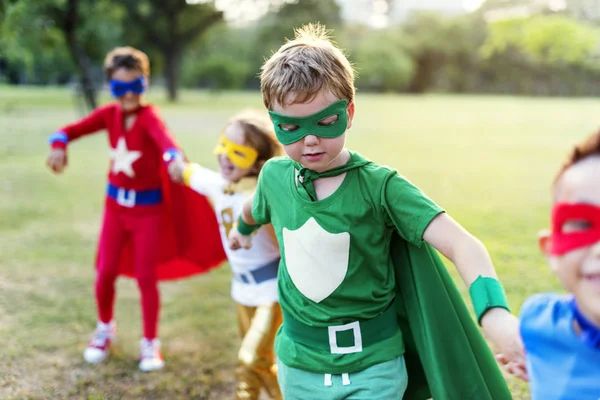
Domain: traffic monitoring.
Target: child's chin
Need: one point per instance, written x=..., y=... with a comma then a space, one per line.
x=227, y=173
x=128, y=106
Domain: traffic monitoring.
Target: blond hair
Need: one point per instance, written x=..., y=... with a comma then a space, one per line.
x=305, y=66
x=126, y=57
x=258, y=134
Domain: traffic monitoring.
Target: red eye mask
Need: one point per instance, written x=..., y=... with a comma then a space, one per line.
x=586, y=214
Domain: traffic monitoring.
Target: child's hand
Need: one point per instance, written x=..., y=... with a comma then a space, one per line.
x=239, y=241
x=514, y=368
x=176, y=168
x=57, y=160
x=503, y=329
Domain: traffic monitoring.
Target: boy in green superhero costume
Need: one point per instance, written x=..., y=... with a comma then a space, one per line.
x=369, y=310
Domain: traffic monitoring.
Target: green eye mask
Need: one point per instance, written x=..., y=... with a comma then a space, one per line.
x=292, y=129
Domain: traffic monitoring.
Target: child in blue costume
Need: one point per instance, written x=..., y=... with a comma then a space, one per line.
x=364, y=316
x=561, y=332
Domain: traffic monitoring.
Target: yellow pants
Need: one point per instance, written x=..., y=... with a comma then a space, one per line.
x=257, y=368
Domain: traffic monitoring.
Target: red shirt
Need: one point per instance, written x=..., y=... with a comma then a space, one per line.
x=135, y=154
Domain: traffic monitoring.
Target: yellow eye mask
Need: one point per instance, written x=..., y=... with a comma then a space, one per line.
x=240, y=155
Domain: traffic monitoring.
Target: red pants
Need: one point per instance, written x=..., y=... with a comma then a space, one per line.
x=118, y=227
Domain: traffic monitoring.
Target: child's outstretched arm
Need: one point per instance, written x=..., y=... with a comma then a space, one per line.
x=241, y=234
x=164, y=141
x=202, y=180
x=467, y=253
x=474, y=265
x=255, y=213
x=178, y=170
x=57, y=157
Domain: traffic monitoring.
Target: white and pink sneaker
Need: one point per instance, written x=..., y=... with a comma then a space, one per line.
x=150, y=357
x=99, y=347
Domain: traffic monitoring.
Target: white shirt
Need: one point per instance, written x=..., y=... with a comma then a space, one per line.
x=264, y=250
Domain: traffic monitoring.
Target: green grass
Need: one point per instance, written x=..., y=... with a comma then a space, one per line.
x=488, y=160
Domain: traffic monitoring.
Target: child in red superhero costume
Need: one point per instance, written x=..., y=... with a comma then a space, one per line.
x=134, y=218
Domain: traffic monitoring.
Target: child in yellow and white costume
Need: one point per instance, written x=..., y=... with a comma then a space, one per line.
x=247, y=142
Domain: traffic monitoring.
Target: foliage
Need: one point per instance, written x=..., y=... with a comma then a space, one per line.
x=224, y=59
x=544, y=40
x=31, y=36
x=168, y=29
x=279, y=24
x=382, y=62
x=547, y=53
x=541, y=55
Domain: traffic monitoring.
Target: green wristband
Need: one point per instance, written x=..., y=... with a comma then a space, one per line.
x=246, y=229
x=487, y=293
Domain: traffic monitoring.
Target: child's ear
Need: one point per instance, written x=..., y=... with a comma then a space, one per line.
x=544, y=240
x=350, y=111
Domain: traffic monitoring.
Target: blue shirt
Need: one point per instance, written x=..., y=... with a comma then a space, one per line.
x=560, y=365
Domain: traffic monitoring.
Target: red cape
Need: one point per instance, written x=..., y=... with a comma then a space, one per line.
x=190, y=242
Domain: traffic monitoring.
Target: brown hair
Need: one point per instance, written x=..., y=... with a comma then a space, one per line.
x=128, y=58
x=258, y=134
x=590, y=146
x=305, y=66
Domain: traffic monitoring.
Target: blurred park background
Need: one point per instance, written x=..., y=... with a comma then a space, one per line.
x=529, y=47
x=477, y=103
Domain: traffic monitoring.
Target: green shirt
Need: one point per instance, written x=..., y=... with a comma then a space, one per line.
x=335, y=265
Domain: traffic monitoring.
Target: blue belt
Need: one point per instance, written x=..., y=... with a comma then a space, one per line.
x=259, y=275
x=131, y=198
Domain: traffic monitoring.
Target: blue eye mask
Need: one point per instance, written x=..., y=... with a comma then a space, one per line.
x=120, y=88
x=291, y=129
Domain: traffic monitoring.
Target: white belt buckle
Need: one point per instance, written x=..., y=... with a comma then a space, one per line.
x=126, y=198
x=335, y=349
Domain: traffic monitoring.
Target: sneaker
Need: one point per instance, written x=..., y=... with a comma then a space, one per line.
x=150, y=357
x=99, y=347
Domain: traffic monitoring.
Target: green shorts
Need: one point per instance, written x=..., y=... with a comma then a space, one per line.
x=384, y=381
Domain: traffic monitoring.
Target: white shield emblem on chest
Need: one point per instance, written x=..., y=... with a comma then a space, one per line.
x=316, y=260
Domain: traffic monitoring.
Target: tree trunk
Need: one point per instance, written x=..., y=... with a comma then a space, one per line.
x=85, y=78
x=81, y=59
x=172, y=71
x=422, y=78
x=427, y=66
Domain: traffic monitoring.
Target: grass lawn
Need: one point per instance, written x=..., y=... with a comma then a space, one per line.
x=488, y=160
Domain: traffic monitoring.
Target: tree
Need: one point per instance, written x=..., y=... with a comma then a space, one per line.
x=545, y=40
x=382, y=63
x=281, y=22
x=543, y=54
x=169, y=27
x=230, y=56
x=69, y=24
x=424, y=30
x=84, y=27
x=223, y=59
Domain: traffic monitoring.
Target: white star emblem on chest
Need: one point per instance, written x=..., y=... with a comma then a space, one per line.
x=123, y=159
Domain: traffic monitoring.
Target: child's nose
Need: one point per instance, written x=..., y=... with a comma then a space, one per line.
x=311, y=140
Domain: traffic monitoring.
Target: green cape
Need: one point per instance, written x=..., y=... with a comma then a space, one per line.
x=446, y=355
